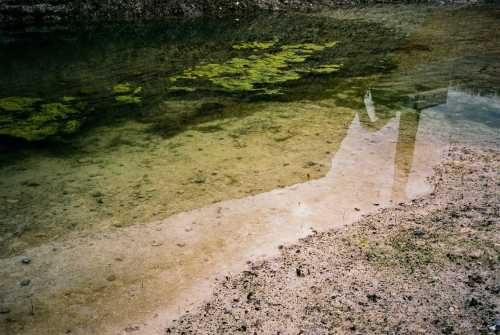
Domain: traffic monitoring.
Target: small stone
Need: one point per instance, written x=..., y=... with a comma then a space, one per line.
x=97, y=194
x=4, y=310
x=111, y=278
x=473, y=302
x=25, y=282
x=372, y=297
x=156, y=244
x=419, y=232
x=199, y=180
x=181, y=245
x=130, y=329
x=474, y=279
x=310, y=164
x=476, y=254
x=357, y=209
x=25, y=260
x=30, y=183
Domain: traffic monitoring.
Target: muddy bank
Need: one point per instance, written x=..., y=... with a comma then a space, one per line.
x=15, y=12
x=425, y=267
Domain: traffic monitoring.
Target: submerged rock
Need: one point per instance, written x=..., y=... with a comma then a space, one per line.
x=25, y=282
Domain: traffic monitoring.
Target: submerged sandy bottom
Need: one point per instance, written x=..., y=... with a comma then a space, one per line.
x=155, y=272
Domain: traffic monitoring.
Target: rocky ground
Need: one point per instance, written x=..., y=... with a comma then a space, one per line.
x=426, y=267
x=21, y=12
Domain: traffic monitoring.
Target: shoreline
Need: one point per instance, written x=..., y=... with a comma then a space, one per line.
x=428, y=266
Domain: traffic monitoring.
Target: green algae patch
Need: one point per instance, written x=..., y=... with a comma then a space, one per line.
x=17, y=104
x=181, y=89
x=132, y=97
x=254, y=45
x=32, y=120
x=330, y=68
x=128, y=99
x=258, y=73
x=68, y=99
x=122, y=88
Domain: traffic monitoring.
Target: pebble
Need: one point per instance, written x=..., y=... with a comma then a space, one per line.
x=111, y=278
x=25, y=282
x=25, y=260
x=373, y=297
x=4, y=310
x=130, y=329
x=473, y=302
x=97, y=194
x=419, y=232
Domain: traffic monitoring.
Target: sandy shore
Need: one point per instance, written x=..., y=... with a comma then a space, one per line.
x=425, y=267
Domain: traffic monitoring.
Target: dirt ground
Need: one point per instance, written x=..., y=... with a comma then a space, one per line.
x=425, y=267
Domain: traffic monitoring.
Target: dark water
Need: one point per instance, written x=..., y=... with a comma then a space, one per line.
x=112, y=125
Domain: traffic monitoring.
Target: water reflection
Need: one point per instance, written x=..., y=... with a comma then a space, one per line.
x=218, y=179
x=168, y=262
x=166, y=266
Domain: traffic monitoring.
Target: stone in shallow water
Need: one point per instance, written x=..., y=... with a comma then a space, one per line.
x=25, y=282
x=111, y=278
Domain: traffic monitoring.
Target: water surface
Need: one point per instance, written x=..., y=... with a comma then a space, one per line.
x=233, y=136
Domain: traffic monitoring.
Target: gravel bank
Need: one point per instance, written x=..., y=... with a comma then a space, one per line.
x=427, y=267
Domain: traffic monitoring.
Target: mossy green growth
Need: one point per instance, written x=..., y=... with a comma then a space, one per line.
x=259, y=72
x=254, y=45
x=330, y=68
x=17, y=104
x=128, y=99
x=68, y=99
x=133, y=96
x=181, y=88
x=122, y=88
x=33, y=120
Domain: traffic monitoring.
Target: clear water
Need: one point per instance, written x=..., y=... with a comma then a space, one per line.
x=104, y=127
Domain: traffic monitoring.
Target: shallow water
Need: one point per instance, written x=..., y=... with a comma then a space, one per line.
x=133, y=124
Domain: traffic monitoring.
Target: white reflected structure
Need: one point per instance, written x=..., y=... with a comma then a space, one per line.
x=369, y=106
